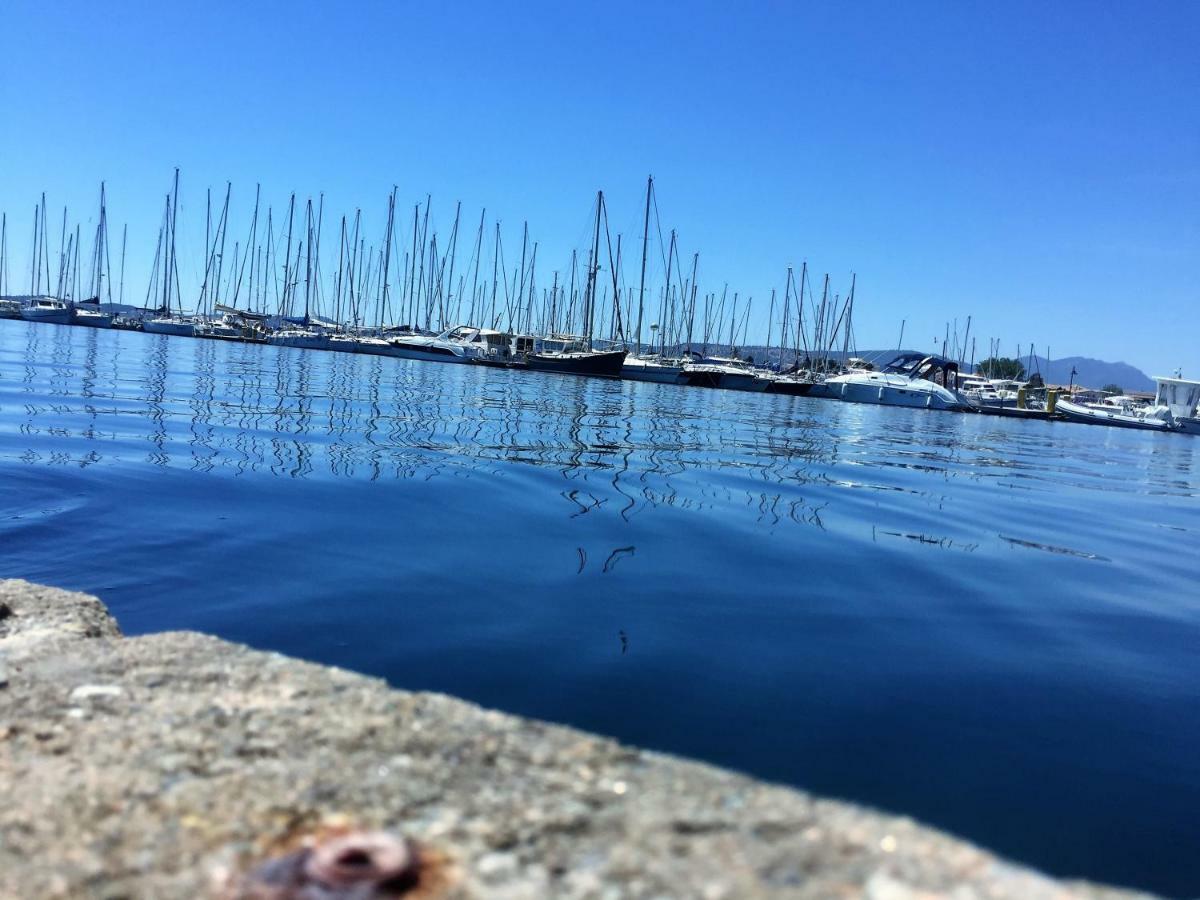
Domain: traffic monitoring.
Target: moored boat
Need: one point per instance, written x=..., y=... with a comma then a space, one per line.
x=725, y=373
x=1114, y=415
x=91, y=318
x=653, y=369
x=47, y=309
x=911, y=379
x=178, y=326
x=573, y=360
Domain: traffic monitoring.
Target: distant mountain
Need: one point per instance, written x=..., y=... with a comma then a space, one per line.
x=1093, y=373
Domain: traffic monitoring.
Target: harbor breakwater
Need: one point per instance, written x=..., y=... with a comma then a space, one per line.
x=169, y=765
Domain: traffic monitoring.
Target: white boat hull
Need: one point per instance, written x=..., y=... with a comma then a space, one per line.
x=51, y=316
x=886, y=390
x=428, y=352
x=300, y=341
x=644, y=370
x=1075, y=412
x=90, y=319
x=169, y=326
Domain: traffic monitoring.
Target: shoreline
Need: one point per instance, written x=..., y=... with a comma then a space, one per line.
x=164, y=765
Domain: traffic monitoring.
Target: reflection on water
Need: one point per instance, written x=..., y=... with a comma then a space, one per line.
x=988, y=624
x=231, y=408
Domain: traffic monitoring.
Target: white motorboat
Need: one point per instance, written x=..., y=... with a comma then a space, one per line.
x=461, y=344
x=653, y=368
x=911, y=379
x=47, y=309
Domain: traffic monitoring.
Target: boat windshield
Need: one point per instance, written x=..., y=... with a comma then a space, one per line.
x=904, y=364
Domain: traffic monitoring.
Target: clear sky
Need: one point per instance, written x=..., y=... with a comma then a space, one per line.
x=1034, y=165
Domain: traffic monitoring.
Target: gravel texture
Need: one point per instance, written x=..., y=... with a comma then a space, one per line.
x=165, y=766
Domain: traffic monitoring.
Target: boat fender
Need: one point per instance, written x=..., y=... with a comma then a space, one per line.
x=881, y=393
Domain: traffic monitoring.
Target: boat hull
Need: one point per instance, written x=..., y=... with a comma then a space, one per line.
x=602, y=364
x=915, y=396
x=790, y=387
x=89, y=319
x=650, y=372
x=51, y=316
x=701, y=376
x=1074, y=413
x=427, y=352
x=178, y=329
x=301, y=342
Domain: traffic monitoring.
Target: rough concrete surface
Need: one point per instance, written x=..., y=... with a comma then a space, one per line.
x=163, y=766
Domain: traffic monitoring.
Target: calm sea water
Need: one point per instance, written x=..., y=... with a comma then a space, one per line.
x=993, y=626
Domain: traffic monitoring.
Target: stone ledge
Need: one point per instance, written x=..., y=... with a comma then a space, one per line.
x=158, y=766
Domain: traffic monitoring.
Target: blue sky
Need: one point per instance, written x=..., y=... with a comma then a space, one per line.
x=1035, y=166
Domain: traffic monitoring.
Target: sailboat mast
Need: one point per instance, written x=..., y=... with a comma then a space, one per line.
x=645, y=247
x=590, y=296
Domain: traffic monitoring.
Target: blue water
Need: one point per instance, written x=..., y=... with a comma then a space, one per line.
x=991, y=625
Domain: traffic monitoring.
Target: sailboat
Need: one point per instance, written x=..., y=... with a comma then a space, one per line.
x=39, y=306
x=652, y=366
x=88, y=312
x=577, y=355
x=307, y=333
x=166, y=321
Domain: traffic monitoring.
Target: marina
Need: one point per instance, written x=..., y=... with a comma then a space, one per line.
x=809, y=350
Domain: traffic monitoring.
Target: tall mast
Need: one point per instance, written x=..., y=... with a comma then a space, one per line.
x=595, y=267
x=387, y=256
x=173, y=270
x=475, y=276
x=33, y=273
x=453, y=255
x=308, y=241
x=124, y=234
x=495, y=277
x=287, y=259
x=237, y=288
x=63, y=258
x=666, y=299
x=645, y=246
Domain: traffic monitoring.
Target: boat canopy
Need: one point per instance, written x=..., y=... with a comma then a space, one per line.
x=918, y=365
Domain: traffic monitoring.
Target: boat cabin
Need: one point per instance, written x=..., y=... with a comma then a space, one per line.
x=936, y=369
